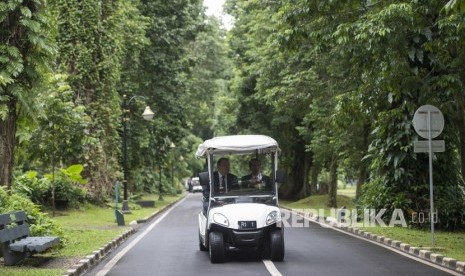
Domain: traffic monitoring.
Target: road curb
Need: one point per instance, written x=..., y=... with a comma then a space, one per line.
x=98, y=255
x=438, y=259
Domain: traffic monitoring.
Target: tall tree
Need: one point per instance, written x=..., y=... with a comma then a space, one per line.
x=210, y=73
x=26, y=50
x=91, y=39
x=163, y=68
x=305, y=32
x=399, y=74
x=259, y=67
x=449, y=77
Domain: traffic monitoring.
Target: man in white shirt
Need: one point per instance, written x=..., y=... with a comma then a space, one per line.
x=256, y=179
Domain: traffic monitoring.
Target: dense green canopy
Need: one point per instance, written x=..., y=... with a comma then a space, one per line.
x=336, y=83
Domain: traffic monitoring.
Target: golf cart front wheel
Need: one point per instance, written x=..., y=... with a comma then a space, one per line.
x=277, y=245
x=216, y=247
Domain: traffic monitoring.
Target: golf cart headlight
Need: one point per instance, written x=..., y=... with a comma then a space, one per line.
x=221, y=219
x=272, y=217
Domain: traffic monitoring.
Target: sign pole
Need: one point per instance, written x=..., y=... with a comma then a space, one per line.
x=431, y=178
x=428, y=127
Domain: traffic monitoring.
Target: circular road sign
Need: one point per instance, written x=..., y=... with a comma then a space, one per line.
x=420, y=121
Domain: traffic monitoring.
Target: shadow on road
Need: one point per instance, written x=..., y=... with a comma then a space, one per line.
x=244, y=255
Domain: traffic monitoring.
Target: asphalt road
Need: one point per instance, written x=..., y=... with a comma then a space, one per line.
x=168, y=245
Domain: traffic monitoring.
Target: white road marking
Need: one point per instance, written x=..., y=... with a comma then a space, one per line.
x=116, y=258
x=382, y=245
x=272, y=268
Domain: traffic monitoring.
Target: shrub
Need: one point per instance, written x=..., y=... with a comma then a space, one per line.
x=66, y=183
x=36, y=189
x=39, y=222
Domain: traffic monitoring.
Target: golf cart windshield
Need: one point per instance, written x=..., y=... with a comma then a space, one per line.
x=246, y=182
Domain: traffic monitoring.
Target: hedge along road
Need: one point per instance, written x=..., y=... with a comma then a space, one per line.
x=169, y=246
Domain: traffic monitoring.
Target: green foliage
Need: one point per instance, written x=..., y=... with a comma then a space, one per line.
x=335, y=82
x=207, y=81
x=397, y=174
x=92, y=57
x=39, y=222
x=66, y=185
x=258, y=64
x=343, y=80
x=25, y=29
x=455, y=6
x=108, y=48
x=34, y=188
x=177, y=76
x=165, y=64
x=72, y=174
x=59, y=130
x=26, y=52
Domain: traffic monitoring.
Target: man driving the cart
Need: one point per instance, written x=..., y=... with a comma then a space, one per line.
x=256, y=179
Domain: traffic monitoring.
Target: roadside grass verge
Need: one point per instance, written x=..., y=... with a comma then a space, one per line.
x=449, y=244
x=318, y=202
x=87, y=229
x=28, y=271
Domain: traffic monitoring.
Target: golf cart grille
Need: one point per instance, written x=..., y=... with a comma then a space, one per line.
x=244, y=238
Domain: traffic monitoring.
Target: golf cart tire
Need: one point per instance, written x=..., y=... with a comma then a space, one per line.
x=216, y=247
x=201, y=246
x=277, y=245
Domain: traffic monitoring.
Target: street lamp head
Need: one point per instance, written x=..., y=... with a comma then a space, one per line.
x=148, y=113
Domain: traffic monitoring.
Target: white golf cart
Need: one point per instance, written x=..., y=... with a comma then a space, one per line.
x=245, y=217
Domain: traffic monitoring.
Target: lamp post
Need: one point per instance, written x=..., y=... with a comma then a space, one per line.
x=181, y=159
x=160, y=187
x=172, y=146
x=148, y=115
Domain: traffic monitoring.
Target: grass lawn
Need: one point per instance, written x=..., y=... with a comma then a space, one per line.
x=318, y=202
x=30, y=271
x=348, y=191
x=449, y=244
x=87, y=229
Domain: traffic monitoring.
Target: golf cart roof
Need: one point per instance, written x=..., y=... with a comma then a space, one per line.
x=237, y=144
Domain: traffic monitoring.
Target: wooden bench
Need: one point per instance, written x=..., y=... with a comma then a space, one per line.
x=15, y=242
x=146, y=203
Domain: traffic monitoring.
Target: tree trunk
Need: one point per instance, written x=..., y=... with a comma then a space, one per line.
x=305, y=188
x=363, y=169
x=298, y=169
x=362, y=175
x=332, y=185
x=7, y=144
x=461, y=129
x=314, y=172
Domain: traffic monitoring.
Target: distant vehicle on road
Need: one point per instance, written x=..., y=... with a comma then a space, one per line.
x=244, y=217
x=196, y=187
